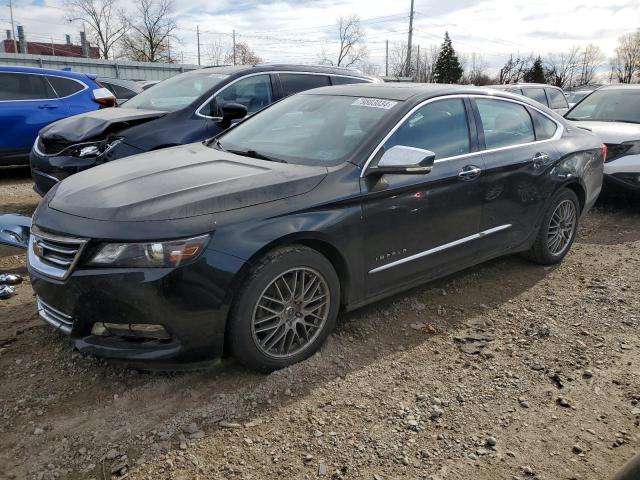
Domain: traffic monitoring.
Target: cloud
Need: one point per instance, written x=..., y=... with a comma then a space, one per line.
x=296, y=30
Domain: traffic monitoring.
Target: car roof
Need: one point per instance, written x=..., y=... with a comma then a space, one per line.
x=406, y=91
x=234, y=69
x=46, y=71
x=621, y=86
x=522, y=84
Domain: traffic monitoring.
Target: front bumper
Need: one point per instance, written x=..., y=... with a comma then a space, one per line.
x=191, y=302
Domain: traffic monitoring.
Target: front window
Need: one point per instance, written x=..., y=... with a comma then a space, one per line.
x=253, y=92
x=609, y=105
x=536, y=94
x=440, y=127
x=176, y=93
x=308, y=129
x=575, y=97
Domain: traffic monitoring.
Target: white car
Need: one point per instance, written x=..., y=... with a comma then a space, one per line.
x=613, y=113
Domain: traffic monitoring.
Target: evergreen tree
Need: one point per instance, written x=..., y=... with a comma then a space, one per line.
x=536, y=73
x=447, y=68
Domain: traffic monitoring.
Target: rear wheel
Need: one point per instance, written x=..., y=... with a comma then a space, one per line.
x=558, y=229
x=285, y=309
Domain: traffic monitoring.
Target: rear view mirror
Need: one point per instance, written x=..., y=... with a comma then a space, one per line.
x=230, y=112
x=15, y=230
x=405, y=160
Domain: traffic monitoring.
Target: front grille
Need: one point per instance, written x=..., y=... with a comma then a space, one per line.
x=54, y=317
x=616, y=150
x=54, y=255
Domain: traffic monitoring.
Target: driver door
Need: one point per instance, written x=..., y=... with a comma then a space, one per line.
x=420, y=226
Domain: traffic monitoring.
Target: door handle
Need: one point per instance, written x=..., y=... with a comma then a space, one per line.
x=540, y=159
x=470, y=172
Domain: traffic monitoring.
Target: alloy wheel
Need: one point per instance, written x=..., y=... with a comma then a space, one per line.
x=561, y=227
x=290, y=312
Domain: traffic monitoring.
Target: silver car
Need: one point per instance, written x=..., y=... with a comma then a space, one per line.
x=613, y=113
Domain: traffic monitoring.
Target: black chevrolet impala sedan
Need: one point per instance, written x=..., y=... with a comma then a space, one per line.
x=251, y=243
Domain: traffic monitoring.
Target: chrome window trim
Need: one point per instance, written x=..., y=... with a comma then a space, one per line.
x=84, y=85
x=440, y=248
x=270, y=72
x=556, y=136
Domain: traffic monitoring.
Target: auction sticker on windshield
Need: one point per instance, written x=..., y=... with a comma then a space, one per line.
x=374, y=102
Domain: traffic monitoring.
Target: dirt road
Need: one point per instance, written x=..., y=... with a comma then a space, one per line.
x=507, y=370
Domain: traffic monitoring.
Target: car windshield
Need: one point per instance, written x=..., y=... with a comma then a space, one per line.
x=609, y=105
x=575, y=97
x=176, y=92
x=308, y=129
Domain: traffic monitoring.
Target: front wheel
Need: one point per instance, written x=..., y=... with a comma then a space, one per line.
x=285, y=309
x=558, y=229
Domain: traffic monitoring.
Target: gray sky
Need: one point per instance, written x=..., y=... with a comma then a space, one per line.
x=297, y=30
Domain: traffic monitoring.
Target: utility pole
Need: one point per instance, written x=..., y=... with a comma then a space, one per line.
x=418, y=65
x=234, y=46
x=198, y=33
x=409, y=41
x=386, y=60
x=13, y=28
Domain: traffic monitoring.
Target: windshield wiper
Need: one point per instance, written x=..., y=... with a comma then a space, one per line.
x=257, y=155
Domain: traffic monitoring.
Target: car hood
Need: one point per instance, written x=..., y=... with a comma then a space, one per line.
x=180, y=182
x=612, y=132
x=90, y=125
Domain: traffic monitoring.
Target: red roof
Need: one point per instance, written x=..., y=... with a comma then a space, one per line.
x=57, y=49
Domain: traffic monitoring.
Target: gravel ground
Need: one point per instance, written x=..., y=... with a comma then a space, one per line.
x=504, y=371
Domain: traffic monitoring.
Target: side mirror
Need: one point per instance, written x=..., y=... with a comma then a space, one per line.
x=404, y=160
x=15, y=230
x=230, y=112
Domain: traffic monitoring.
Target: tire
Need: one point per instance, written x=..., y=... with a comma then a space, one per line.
x=544, y=251
x=264, y=309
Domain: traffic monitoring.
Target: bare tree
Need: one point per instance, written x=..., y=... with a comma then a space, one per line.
x=148, y=35
x=563, y=67
x=514, y=69
x=102, y=18
x=626, y=63
x=591, y=59
x=398, y=61
x=216, y=53
x=244, y=55
x=352, y=51
x=475, y=67
x=369, y=68
x=426, y=63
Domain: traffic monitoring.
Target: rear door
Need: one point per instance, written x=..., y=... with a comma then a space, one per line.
x=424, y=225
x=27, y=103
x=519, y=151
x=76, y=95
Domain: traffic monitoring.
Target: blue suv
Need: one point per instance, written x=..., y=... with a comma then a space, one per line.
x=32, y=98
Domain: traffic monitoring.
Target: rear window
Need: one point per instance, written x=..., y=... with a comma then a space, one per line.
x=545, y=127
x=122, y=92
x=556, y=98
x=64, y=86
x=536, y=94
x=505, y=123
x=294, y=82
x=24, y=86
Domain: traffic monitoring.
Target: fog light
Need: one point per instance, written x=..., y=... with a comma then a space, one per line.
x=135, y=330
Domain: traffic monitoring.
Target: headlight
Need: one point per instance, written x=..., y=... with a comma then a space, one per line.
x=145, y=255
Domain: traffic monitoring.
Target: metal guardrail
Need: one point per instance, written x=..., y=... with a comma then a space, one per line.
x=105, y=68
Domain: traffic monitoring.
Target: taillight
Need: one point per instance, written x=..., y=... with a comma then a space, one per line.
x=604, y=153
x=104, y=97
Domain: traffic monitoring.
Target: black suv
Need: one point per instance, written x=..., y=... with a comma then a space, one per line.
x=184, y=109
